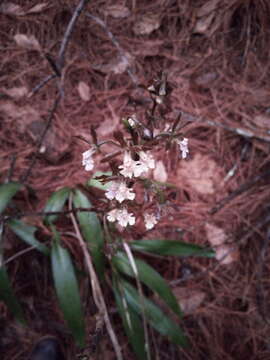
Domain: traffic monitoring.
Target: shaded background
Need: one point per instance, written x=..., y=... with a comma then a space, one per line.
x=216, y=56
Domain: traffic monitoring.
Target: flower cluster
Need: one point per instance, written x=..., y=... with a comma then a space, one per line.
x=119, y=190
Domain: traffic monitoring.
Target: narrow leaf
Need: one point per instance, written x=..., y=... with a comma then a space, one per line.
x=172, y=248
x=157, y=319
x=131, y=321
x=26, y=233
x=8, y=297
x=7, y=191
x=149, y=277
x=68, y=292
x=56, y=203
x=91, y=229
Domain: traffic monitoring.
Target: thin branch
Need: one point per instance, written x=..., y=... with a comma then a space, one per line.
x=260, y=294
x=97, y=292
x=48, y=213
x=42, y=83
x=247, y=133
x=41, y=139
x=116, y=44
x=242, y=188
x=68, y=32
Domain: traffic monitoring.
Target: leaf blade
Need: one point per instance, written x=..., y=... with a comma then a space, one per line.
x=7, y=191
x=149, y=277
x=8, y=297
x=171, y=248
x=68, y=291
x=91, y=229
x=131, y=322
x=156, y=318
x=56, y=202
x=26, y=233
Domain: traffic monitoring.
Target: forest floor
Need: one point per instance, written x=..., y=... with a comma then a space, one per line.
x=215, y=55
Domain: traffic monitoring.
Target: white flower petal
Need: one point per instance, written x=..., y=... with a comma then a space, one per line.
x=87, y=160
x=150, y=221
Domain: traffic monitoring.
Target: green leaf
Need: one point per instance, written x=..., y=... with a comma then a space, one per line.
x=149, y=277
x=97, y=183
x=7, y=191
x=68, y=291
x=8, y=297
x=131, y=321
x=156, y=318
x=171, y=247
x=91, y=229
x=56, y=203
x=154, y=315
x=26, y=233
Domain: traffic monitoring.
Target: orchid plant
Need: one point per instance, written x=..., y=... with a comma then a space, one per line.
x=106, y=229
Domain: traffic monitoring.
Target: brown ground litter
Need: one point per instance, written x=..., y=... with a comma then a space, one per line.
x=216, y=55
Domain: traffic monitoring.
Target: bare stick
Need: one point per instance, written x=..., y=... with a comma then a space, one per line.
x=41, y=139
x=41, y=84
x=260, y=293
x=116, y=44
x=238, y=131
x=68, y=32
x=97, y=292
x=242, y=188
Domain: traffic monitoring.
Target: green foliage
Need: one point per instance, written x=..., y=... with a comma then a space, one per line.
x=8, y=297
x=91, y=229
x=7, y=191
x=131, y=321
x=26, y=233
x=149, y=277
x=171, y=247
x=156, y=318
x=56, y=203
x=68, y=291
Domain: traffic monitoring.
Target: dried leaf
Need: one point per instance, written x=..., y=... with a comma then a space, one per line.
x=262, y=121
x=84, y=91
x=160, y=173
x=11, y=9
x=21, y=115
x=37, y=8
x=203, y=24
x=215, y=235
x=27, y=42
x=227, y=254
x=117, y=11
x=201, y=173
x=206, y=17
x=188, y=299
x=146, y=24
x=16, y=92
x=117, y=66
